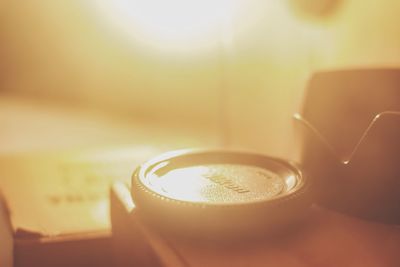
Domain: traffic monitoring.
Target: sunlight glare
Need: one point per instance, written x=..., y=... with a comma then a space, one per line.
x=172, y=24
x=183, y=183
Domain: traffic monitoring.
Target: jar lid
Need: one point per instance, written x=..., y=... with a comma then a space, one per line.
x=219, y=193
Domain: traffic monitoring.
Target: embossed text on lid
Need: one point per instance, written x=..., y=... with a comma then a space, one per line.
x=218, y=183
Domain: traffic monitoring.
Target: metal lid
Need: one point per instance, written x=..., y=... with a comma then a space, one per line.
x=219, y=193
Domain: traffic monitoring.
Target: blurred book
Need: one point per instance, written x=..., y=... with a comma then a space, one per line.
x=6, y=235
x=59, y=207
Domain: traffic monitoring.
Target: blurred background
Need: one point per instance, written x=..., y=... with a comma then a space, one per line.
x=231, y=70
x=155, y=75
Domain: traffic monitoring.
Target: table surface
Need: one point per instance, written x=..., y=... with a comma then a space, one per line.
x=326, y=238
x=32, y=125
x=329, y=238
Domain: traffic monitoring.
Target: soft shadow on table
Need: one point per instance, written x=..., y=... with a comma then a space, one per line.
x=326, y=238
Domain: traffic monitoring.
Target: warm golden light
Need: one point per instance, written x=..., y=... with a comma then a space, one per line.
x=173, y=24
x=216, y=183
x=184, y=183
